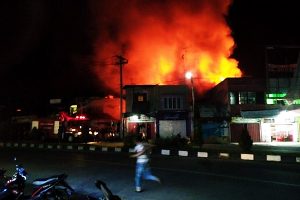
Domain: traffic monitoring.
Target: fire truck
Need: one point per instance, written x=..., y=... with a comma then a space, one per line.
x=79, y=128
x=63, y=127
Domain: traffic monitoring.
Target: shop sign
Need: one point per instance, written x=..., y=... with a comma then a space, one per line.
x=244, y=120
x=260, y=113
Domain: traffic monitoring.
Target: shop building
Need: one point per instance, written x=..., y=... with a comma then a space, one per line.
x=158, y=110
x=268, y=107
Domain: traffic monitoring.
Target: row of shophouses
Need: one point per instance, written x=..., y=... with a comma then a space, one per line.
x=220, y=115
x=268, y=107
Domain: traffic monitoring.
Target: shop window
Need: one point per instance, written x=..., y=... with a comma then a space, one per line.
x=140, y=97
x=247, y=98
x=232, y=97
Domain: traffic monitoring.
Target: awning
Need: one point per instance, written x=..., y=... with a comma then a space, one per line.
x=260, y=113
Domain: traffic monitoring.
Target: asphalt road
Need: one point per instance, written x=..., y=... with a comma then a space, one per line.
x=183, y=177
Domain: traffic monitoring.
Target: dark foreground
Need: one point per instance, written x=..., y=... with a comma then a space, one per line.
x=183, y=177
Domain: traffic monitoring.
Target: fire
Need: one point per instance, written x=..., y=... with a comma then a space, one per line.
x=162, y=40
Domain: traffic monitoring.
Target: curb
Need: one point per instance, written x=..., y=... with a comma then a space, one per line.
x=214, y=154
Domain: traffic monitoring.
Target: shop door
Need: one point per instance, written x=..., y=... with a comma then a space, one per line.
x=237, y=129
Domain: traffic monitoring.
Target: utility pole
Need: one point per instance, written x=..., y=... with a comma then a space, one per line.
x=121, y=61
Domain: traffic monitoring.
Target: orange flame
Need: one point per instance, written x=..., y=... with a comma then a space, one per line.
x=164, y=39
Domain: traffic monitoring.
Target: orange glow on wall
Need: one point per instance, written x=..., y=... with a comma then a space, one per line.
x=162, y=40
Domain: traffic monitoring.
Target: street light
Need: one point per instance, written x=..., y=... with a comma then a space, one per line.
x=189, y=75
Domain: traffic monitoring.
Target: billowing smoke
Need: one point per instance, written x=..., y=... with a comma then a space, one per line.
x=163, y=39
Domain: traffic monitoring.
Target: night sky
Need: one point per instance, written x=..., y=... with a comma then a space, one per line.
x=46, y=45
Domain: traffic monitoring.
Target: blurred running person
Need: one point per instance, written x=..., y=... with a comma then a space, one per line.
x=142, y=171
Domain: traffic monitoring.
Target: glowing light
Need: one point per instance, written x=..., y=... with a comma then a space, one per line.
x=285, y=116
x=134, y=118
x=80, y=117
x=188, y=75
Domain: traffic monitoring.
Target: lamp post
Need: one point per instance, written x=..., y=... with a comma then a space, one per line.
x=189, y=76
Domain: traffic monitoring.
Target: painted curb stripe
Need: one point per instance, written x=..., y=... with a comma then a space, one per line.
x=276, y=158
x=202, y=154
x=131, y=150
x=165, y=152
x=183, y=153
x=104, y=149
x=92, y=148
x=80, y=148
x=223, y=155
x=247, y=156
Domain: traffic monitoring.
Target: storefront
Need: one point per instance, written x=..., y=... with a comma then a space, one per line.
x=141, y=124
x=268, y=126
x=281, y=128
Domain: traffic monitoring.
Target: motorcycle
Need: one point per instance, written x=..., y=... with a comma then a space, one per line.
x=13, y=187
x=2, y=177
x=108, y=195
x=54, y=187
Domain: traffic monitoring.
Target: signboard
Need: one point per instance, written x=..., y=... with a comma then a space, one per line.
x=281, y=68
x=260, y=113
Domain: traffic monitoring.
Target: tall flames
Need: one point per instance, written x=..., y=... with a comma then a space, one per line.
x=163, y=39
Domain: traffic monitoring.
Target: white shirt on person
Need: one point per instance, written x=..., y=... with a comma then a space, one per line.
x=144, y=157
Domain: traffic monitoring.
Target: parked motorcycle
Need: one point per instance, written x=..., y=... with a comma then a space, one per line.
x=2, y=177
x=108, y=195
x=54, y=187
x=14, y=186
